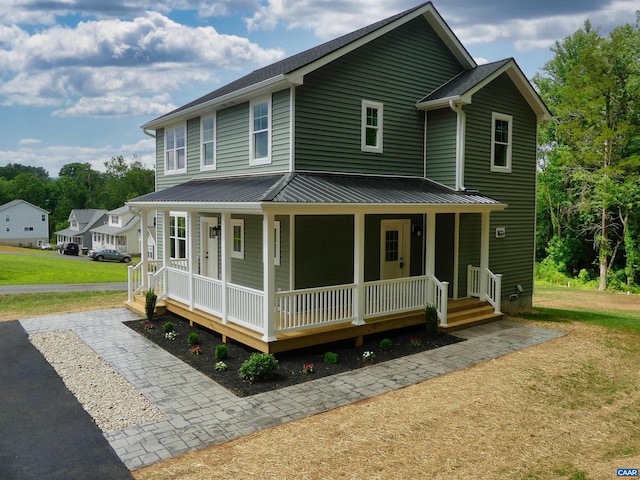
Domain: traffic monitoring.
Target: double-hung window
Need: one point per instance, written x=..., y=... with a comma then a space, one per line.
x=260, y=140
x=501, y=141
x=208, y=147
x=175, y=140
x=237, y=225
x=371, y=127
x=178, y=235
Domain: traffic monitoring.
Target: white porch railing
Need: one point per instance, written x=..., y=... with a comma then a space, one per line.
x=297, y=309
x=313, y=307
x=439, y=297
x=493, y=293
x=246, y=307
x=398, y=295
x=207, y=295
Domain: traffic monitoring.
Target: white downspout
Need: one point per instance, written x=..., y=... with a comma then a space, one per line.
x=461, y=127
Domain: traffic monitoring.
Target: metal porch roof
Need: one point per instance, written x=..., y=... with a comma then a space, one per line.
x=315, y=188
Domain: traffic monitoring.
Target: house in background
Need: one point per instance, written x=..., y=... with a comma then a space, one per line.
x=81, y=221
x=23, y=224
x=121, y=232
x=337, y=192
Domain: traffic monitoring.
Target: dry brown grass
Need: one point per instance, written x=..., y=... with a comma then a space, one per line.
x=567, y=409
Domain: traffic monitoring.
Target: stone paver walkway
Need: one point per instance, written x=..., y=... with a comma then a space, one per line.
x=199, y=412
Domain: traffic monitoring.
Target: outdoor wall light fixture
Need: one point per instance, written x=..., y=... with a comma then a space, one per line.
x=417, y=230
x=214, y=231
x=514, y=296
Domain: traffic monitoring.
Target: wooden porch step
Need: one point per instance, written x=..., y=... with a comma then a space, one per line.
x=467, y=313
x=138, y=305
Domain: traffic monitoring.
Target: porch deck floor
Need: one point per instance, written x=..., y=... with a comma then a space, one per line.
x=199, y=412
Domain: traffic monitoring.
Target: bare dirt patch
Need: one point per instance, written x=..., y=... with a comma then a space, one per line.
x=569, y=408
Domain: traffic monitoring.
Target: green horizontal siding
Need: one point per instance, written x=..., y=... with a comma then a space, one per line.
x=323, y=250
x=282, y=271
x=281, y=131
x=513, y=255
x=248, y=271
x=441, y=146
x=397, y=69
x=469, y=248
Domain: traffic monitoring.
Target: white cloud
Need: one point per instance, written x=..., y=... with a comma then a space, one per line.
x=86, y=68
x=29, y=141
x=53, y=158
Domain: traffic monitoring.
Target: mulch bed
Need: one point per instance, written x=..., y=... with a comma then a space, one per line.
x=290, y=363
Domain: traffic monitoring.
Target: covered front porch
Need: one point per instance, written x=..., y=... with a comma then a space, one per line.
x=272, y=274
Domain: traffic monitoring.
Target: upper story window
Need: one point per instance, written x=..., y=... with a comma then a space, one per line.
x=175, y=141
x=501, y=141
x=7, y=218
x=114, y=220
x=74, y=223
x=260, y=140
x=44, y=217
x=208, y=147
x=178, y=235
x=371, y=127
x=237, y=224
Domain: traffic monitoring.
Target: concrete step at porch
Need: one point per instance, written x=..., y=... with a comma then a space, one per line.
x=467, y=313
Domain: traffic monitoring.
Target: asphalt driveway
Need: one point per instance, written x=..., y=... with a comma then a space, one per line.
x=46, y=434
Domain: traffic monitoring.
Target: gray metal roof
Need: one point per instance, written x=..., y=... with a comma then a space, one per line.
x=315, y=188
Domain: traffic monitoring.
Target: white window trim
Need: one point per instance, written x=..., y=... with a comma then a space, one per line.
x=173, y=234
x=263, y=160
x=214, y=141
x=507, y=118
x=276, y=247
x=166, y=165
x=363, y=127
x=237, y=222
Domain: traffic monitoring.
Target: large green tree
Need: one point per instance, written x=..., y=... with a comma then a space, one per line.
x=592, y=85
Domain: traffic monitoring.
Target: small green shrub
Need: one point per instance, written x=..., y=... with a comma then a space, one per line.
x=330, y=357
x=259, y=367
x=431, y=319
x=168, y=327
x=222, y=351
x=150, y=304
x=386, y=344
x=193, y=339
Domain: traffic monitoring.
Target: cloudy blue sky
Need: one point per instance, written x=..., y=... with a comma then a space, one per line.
x=79, y=77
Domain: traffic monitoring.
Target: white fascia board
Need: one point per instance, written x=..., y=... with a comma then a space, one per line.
x=249, y=207
x=243, y=95
x=440, y=103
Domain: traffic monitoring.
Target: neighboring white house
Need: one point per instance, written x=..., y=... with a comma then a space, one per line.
x=121, y=232
x=23, y=224
x=81, y=221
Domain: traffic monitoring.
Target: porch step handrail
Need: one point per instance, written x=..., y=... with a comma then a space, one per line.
x=438, y=297
x=493, y=293
x=136, y=274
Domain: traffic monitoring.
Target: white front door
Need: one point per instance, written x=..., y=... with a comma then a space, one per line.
x=209, y=247
x=395, y=248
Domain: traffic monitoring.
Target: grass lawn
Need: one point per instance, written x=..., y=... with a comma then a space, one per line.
x=22, y=266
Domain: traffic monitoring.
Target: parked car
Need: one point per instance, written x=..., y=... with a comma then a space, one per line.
x=71, y=249
x=46, y=246
x=108, y=254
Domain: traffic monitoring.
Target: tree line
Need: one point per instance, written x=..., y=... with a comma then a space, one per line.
x=78, y=186
x=588, y=217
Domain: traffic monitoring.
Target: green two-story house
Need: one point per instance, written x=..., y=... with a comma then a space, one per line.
x=337, y=192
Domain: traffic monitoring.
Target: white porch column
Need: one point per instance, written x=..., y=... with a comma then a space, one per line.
x=143, y=248
x=484, y=253
x=269, y=277
x=226, y=238
x=191, y=254
x=358, y=269
x=430, y=256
